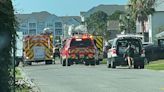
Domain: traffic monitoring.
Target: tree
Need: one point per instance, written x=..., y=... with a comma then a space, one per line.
x=97, y=23
x=7, y=43
x=140, y=9
x=116, y=15
x=127, y=25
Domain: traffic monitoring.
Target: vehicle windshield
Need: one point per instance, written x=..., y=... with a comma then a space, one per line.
x=122, y=44
x=161, y=42
x=81, y=43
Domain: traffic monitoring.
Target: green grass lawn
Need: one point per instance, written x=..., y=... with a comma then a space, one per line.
x=104, y=61
x=156, y=65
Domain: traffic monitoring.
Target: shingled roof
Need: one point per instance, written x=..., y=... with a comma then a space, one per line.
x=65, y=19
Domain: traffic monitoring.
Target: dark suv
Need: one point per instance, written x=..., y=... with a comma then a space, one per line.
x=118, y=48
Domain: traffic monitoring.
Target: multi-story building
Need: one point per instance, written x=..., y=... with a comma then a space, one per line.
x=36, y=22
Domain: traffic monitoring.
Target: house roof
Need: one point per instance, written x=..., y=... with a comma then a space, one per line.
x=66, y=19
x=113, y=25
x=109, y=9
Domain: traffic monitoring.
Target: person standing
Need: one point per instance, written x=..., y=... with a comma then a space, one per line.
x=130, y=54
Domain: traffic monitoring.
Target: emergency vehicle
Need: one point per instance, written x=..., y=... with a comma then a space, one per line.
x=79, y=49
x=38, y=48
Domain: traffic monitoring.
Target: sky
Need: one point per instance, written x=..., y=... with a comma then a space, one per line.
x=60, y=7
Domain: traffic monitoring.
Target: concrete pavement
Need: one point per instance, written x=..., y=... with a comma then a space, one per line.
x=80, y=78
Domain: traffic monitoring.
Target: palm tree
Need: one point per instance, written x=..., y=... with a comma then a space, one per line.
x=140, y=9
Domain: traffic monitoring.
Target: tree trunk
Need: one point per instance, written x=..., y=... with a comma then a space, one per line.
x=143, y=30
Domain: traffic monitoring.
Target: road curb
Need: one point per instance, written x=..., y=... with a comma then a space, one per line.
x=30, y=83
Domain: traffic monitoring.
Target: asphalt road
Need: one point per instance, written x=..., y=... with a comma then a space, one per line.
x=81, y=78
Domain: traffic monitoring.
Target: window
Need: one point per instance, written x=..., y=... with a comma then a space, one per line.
x=58, y=24
x=161, y=42
x=32, y=25
x=122, y=44
x=32, y=32
x=49, y=25
x=41, y=25
x=23, y=25
x=81, y=43
x=24, y=33
x=58, y=31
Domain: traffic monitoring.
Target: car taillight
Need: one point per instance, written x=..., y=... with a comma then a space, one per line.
x=114, y=51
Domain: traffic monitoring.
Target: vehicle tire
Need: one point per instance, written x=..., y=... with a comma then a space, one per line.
x=86, y=63
x=63, y=62
x=142, y=66
x=113, y=65
x=92, y=62
x=108, y=63
x=48, y=62
x=76, y=62
x=97, y=62
x=109, y=66
x=68, y=62
x=135, y=66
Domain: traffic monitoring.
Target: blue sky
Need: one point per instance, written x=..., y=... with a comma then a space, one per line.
x=60, y=7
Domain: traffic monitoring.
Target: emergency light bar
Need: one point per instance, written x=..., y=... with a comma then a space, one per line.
x=83, y=36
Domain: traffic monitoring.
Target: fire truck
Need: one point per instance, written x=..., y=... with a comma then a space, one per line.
x=38, y=48
x=79, y=49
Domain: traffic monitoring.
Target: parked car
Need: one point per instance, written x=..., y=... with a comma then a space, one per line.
x=118, y=48
x=154, y=51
